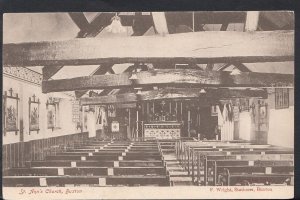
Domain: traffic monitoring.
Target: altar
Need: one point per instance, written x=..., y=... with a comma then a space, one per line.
x=162, y=119
x=163, y=130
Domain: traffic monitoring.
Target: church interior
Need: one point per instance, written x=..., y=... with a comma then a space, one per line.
x=148, y=99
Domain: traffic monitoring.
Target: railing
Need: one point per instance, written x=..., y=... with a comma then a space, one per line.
x=140, y=139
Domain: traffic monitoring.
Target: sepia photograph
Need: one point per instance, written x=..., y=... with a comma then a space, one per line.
x=148, y=105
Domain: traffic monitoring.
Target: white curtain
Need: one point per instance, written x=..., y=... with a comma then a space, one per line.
x=91, y=124
x=101, y=117
x=227, y=126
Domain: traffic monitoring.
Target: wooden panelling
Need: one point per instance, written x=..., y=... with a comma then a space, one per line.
x=16, y=154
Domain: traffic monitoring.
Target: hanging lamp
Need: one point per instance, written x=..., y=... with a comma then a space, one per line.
x=116, y=26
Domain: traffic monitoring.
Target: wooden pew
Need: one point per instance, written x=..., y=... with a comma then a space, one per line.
x=95, y=162
x=144, y=145
x=65, y=163
x=85, y=171
x=258, y=179
x=76, y=157
x=36, y=181
x=266, y=165
x=185, y=151
x=95, y=150
x=105, y=157
x=89, y=163
x=180, y=145
x=142, y=157
x=227, y=151
x=140, y=163
x=89, y=153
x=128, y=153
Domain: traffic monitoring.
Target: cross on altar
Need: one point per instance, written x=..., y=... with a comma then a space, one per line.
x=33, y=97
x=10, y=91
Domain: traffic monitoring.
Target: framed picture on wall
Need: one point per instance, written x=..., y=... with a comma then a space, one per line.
x=34, y=105
x=111, y=111
x=244, y=104
x=281, y=98
x=10, y=109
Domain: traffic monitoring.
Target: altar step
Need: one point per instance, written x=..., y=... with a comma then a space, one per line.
x=167, y=146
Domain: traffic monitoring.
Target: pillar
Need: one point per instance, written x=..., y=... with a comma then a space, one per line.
x=129, y=125
x=21, y=157
x=21, y=115
x=189, y=123
x=137, y=122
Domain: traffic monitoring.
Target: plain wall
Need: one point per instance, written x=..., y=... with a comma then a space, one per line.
x=281, y=127
x=245, y=126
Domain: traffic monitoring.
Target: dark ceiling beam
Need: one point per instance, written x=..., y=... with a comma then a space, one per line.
x=224, y=26
x=111, y=71
x=186, y=93
x=101, y=70
x=141, y=24
x=176, y=18
x=198, y=47
x=49, y=71
x=82, y=23
x=95, y=27
x=107, y=91
x=204, y=17
x=276, y=20
x=110, y=99
x=176, y=77
x=213, y=94
x=129, y=69
x=224, y=67
x=241, y=67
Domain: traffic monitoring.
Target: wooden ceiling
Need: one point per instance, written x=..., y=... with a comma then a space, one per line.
x=193, y=48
